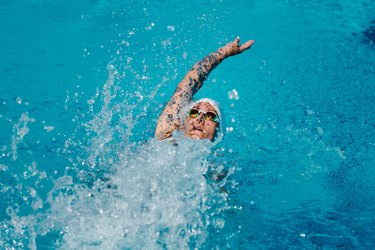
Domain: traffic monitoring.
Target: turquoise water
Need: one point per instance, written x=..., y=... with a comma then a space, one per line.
x=83, y=84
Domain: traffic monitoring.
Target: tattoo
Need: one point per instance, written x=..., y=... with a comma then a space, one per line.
x=178, y=108
x=186, y=96
x=207, y=64
x=193, y=83
x=169, y=120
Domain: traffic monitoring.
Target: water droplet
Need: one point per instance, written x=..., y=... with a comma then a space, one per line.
x=233, y=94
x=48, y=128
x=170, y=28
x=18, y=100
x=320, y=130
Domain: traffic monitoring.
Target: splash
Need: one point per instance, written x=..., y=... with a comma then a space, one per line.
x=156, y=197
x=19, y=131
x=117, y=193
x=148, y=195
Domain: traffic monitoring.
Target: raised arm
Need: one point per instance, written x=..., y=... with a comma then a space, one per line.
x=169, y=120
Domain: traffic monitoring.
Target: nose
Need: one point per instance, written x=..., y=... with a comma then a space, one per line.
x=200, y=118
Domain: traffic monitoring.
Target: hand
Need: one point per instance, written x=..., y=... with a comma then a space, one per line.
x=234, y=48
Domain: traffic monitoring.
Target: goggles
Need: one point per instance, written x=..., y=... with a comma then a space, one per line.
x=208, y=116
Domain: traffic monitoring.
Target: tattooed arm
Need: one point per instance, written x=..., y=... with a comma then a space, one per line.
x=169, y=120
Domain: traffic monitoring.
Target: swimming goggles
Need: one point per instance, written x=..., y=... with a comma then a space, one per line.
x=208, y=116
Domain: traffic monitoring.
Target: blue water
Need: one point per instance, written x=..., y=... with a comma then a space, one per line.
x=83, y=83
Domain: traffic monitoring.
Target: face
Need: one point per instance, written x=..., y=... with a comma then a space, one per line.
x=200, y=127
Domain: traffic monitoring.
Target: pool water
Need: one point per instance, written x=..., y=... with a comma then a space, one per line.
x=83, y=83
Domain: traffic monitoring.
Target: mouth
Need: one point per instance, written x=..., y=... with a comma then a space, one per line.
x=198, y=129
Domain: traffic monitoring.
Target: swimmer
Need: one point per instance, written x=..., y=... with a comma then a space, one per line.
x=200, y=119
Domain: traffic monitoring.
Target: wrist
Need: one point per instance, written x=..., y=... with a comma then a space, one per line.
x=223, y=53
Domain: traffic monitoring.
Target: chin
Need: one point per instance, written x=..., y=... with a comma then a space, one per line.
x=195, y=135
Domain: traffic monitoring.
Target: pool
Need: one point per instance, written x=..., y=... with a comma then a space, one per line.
x=83, y=84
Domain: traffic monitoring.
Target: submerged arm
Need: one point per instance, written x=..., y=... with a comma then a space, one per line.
x=169, y=120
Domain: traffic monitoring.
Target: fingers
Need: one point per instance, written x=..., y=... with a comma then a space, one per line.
x=233, y=48
x=237, y=40
x=246, y=45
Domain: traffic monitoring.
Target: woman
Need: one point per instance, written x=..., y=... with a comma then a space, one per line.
x=201, y=119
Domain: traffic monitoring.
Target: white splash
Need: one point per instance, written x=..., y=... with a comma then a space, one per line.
x=155, y=198
x=19, y=131
x=154, y=195
x=137, y=196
